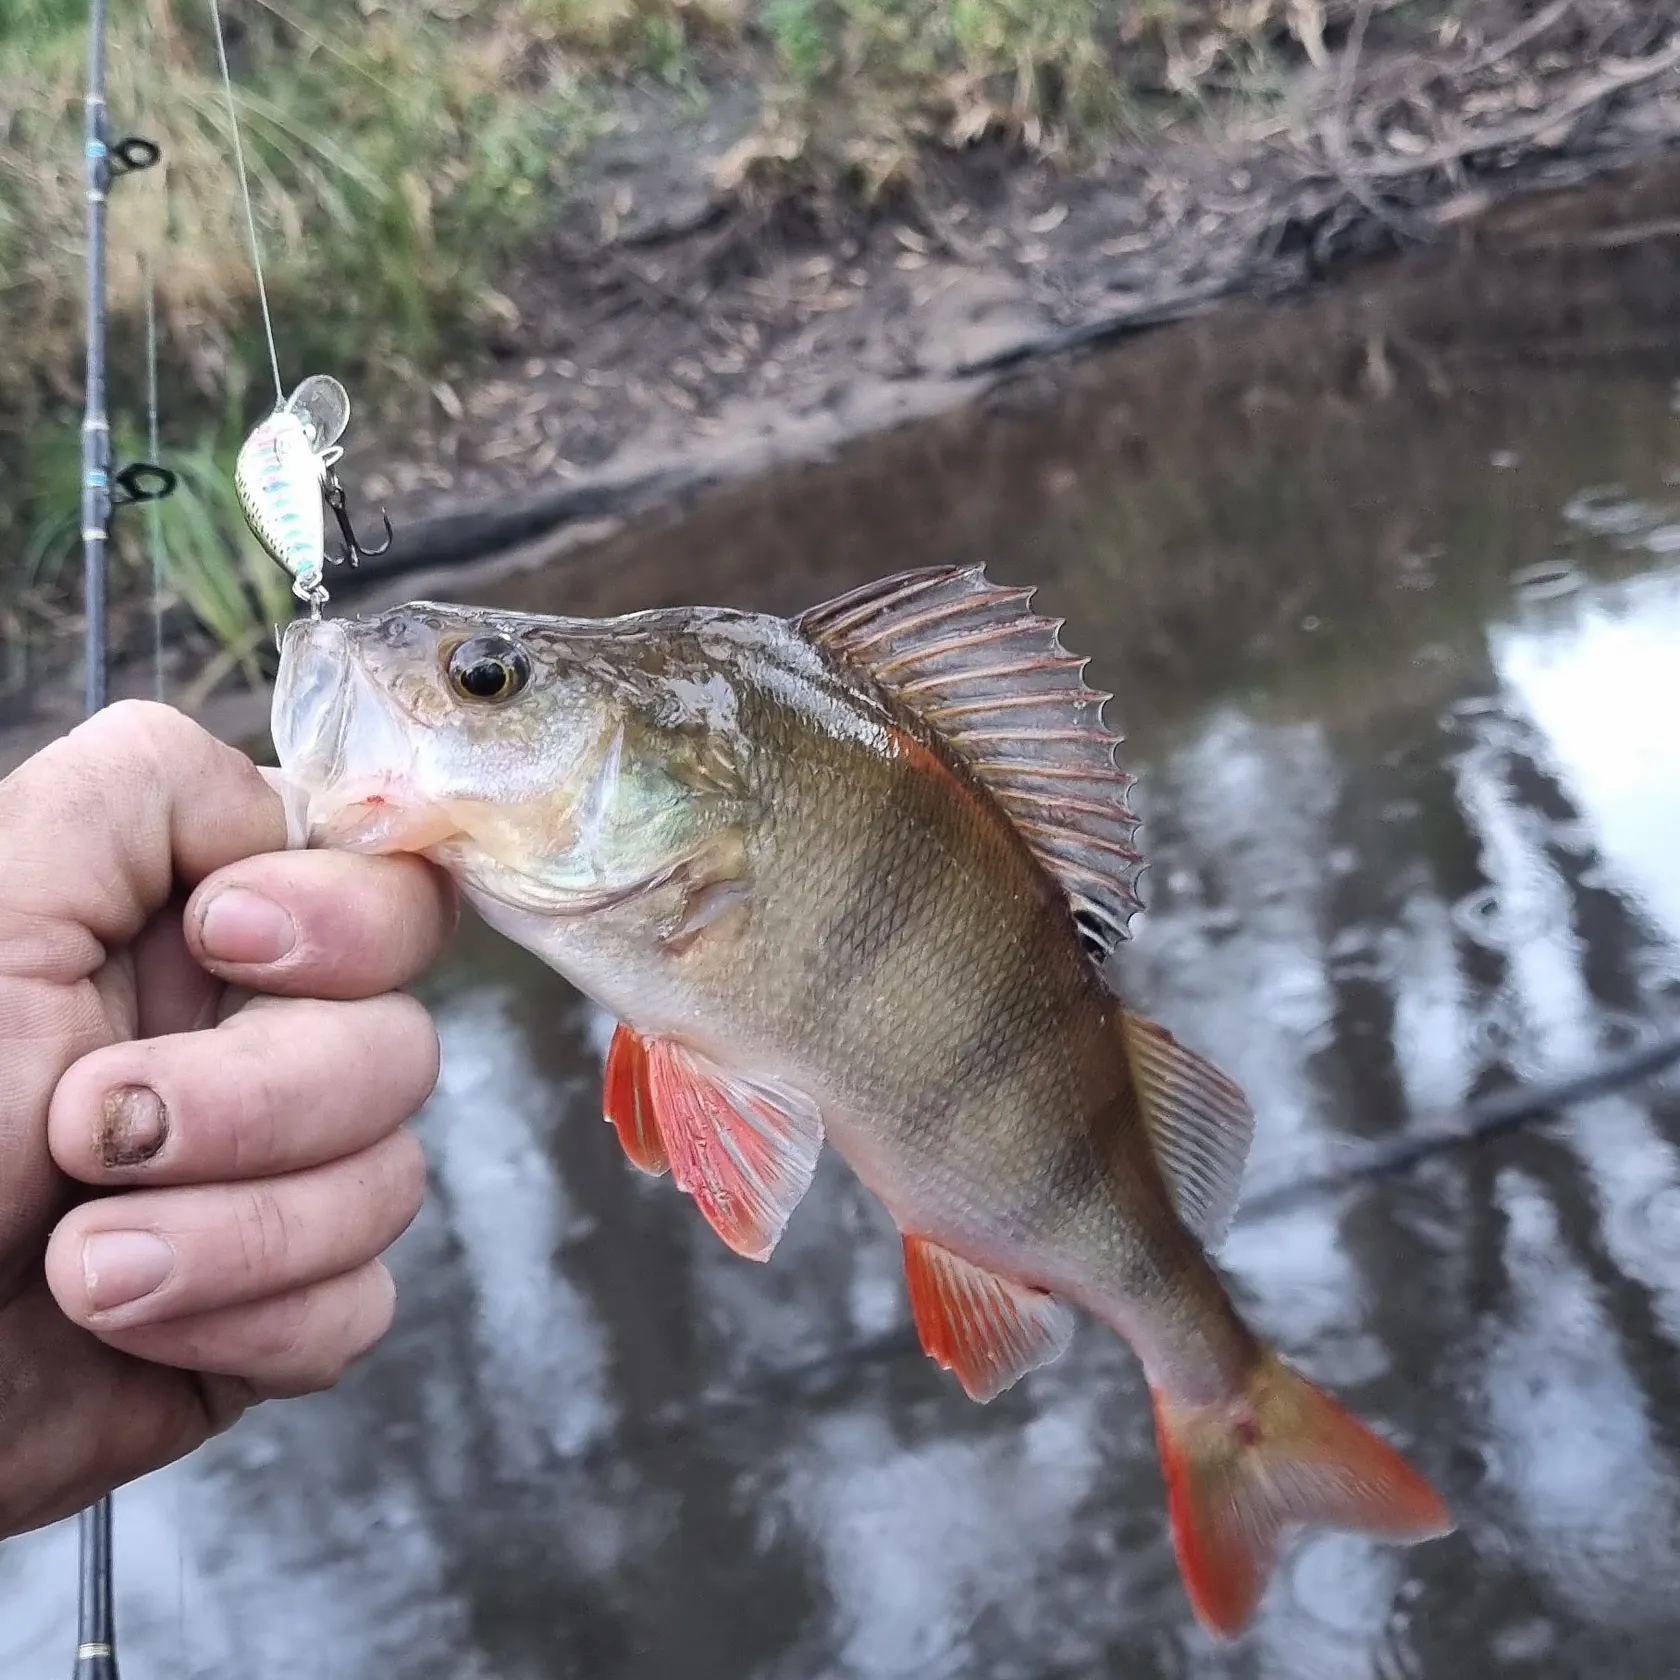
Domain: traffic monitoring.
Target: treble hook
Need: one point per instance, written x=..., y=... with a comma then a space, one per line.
x=353, y=548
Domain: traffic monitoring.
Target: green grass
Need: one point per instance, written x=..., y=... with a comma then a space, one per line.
x=402, y=155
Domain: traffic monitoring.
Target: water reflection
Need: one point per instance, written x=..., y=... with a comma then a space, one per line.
x=1414, y=835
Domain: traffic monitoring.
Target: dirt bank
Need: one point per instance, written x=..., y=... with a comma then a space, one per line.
x=675, y=332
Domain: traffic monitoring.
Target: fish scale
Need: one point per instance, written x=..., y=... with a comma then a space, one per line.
x=950, y=1003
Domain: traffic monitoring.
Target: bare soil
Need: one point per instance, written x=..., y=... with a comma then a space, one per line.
x=672, y=332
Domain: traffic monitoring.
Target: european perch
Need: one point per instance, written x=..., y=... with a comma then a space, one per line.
x=853, y=877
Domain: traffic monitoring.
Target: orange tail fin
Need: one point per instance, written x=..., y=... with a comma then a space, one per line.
x=1243, y=1472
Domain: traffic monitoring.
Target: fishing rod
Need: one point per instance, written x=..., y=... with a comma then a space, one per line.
x=102, y=493
x=284, y=473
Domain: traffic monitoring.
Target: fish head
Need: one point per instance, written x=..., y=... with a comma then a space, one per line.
x=557, y=766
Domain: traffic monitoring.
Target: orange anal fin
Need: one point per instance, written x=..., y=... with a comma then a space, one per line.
x=743, y=1148
x=989, y=1329
x=629, y=1103
x=1281, y=1455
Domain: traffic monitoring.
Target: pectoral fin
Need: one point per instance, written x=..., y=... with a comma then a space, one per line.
x=989, y=1329
x=744, y=1148
x=629, y=1103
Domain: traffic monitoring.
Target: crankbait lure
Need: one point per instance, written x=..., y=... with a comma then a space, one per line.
x=283, y=473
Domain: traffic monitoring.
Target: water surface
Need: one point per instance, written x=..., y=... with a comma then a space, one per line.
x=1395, y=632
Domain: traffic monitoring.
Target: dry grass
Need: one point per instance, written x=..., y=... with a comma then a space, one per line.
x=390, y=160
x=402, y=149
x=399, y=151
x=865, y=87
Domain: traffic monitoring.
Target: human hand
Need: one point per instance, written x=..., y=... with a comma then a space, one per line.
x=248, y=1150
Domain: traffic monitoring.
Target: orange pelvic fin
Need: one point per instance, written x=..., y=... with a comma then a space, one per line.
x=988, y=1329
x=629, y=1103
x=1242, y=1473
x=743, y=1148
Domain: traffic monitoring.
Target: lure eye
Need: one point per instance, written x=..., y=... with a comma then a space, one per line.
x=488, y=669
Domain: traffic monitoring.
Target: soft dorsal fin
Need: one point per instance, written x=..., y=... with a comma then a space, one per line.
x=1200, y=1125
x=994, y=681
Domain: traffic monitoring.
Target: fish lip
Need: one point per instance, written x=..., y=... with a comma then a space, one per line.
x=311, y=707
x=372, y=814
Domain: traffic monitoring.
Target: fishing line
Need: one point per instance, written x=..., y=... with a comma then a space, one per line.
x=284, y=469
x=148, y=283
x=245, y=195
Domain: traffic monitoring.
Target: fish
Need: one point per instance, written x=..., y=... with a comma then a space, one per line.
x=853, y=878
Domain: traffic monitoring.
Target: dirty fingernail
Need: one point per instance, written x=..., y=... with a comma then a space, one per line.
x=120, y=1267
x=243, y=927
x=133, y=1126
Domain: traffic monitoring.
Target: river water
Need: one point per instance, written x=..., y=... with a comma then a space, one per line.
x=1393, y=619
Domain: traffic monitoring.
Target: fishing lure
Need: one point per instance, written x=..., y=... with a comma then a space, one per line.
x=283, y=473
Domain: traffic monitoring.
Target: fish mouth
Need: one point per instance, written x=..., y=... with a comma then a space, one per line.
x=338, y=739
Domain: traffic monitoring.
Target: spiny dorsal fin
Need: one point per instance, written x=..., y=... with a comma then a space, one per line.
x=1200, y=1125
x=993, y=679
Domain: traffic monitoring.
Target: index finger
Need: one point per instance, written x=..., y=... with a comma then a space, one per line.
x=97, y=827
x=95, y=830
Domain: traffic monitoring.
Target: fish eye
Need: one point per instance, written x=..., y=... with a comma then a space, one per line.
x=488, y=668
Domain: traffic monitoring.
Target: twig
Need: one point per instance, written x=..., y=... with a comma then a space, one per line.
x=1476, y=1123
x=1588, y=94
x=1518, y=38
x=1335, y=131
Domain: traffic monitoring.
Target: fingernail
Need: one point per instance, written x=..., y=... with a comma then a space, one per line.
x=120, y=1267
x=242, y=927
x=134, y=1126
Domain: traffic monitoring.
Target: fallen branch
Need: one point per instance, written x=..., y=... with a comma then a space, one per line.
x=1478, y=1122
x=1556, y=116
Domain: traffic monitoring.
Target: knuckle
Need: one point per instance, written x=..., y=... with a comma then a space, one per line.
x=261, y=1092
x=419, y=1044
x=144, y=734
x=150, y=719
x=336, y=1324
x=406, y=1171
x=368, y=1313
x=290, y=1338
x=263, y=1231
x=398, y=1046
